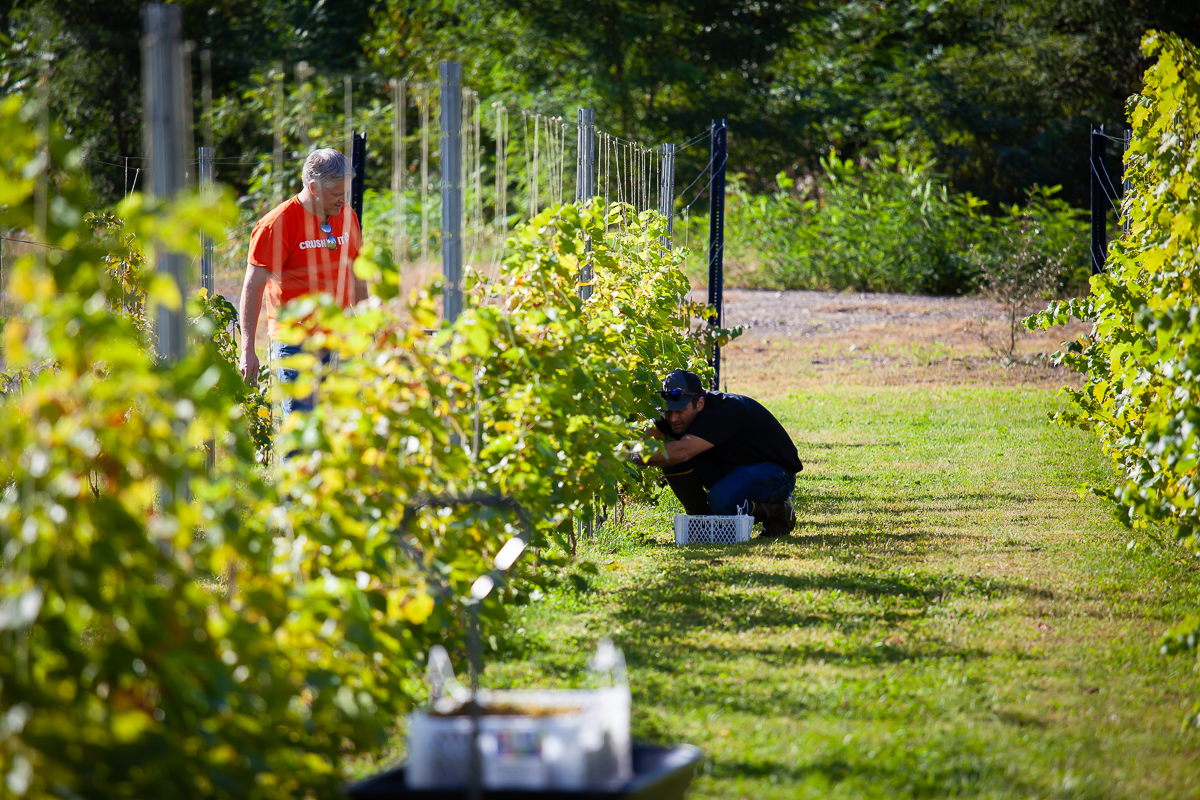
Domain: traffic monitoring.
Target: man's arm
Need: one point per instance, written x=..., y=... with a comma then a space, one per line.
x=251, y=305
x=677, y=452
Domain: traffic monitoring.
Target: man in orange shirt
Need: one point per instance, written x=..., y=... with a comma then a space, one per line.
x=305, y=245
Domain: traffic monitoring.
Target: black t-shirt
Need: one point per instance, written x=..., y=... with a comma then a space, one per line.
x=741, y=432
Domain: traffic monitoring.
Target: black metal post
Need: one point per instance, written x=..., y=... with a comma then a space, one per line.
x=716, y=240
x=1099, y=201
x=358, y=161
x=1126, y=184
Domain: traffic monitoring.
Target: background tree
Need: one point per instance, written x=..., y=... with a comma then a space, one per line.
x=1000, y=93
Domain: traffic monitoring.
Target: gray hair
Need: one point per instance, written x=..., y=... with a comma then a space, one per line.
x=327, y=167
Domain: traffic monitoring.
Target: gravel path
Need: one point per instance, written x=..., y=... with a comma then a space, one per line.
x=793, y=340
x=798, y=314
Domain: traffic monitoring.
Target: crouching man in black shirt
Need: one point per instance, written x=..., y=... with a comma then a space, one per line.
x=725, y=451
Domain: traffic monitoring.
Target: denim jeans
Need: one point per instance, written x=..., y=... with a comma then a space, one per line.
x=286, y=376
x=762, y=483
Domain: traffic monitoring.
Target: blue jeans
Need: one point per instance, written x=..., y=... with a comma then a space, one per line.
x=279, y=351
x=762, y=483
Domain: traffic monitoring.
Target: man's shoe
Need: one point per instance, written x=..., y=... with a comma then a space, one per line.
x=778, y=519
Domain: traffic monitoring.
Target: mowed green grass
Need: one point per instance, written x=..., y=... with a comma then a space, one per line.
x=952, y=617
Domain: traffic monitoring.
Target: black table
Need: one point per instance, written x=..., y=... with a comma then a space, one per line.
x=659, y=773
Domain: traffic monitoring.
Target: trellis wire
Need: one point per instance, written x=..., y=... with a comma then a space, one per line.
x=303, y=73
x=399, y=169
x=348, y=105
x=277, y=151
x=629, y=172
x=473, y=183
x=533, y=203
x=477, y=132
x=206, y=96
x=501, y=199
x=276, y=161
x=423, y=103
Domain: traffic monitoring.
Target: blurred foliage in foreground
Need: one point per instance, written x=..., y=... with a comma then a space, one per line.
x=1141, y=360
x=167, y=629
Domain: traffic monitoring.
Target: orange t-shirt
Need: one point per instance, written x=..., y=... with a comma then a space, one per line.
x=289, y=242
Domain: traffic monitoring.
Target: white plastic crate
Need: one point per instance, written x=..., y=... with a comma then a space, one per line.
x=697, y=529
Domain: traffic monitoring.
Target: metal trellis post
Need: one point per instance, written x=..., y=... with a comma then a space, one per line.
x=163, y=108
x=207, y=279
x=585, y=175
x=666, y=189
x=585, y=182
x=585, y=189
x=163, y=128
x=716, y=240
x=1099, y=201
x=358, y=162
x=451, y=147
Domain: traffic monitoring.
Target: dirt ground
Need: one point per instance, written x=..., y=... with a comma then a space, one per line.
x=796, y=340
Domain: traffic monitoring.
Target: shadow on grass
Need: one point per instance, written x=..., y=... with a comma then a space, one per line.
x=959, y=769
x=856, y=518
x=756, y=587
x=909, y=504
x=702, y=593
x=706, y=679
x=921, y=586
x=824, y=537
x=854, y=653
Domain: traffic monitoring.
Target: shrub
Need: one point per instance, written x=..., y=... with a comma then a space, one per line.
x=1023, y=262
x=882, y=225
x=889, y=224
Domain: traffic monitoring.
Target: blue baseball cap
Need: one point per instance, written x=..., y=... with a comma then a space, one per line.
x=680, y=388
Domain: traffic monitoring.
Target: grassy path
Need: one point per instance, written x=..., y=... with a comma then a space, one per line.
x=951, y=618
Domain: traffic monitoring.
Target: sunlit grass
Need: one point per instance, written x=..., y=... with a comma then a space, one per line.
x=952, y=617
